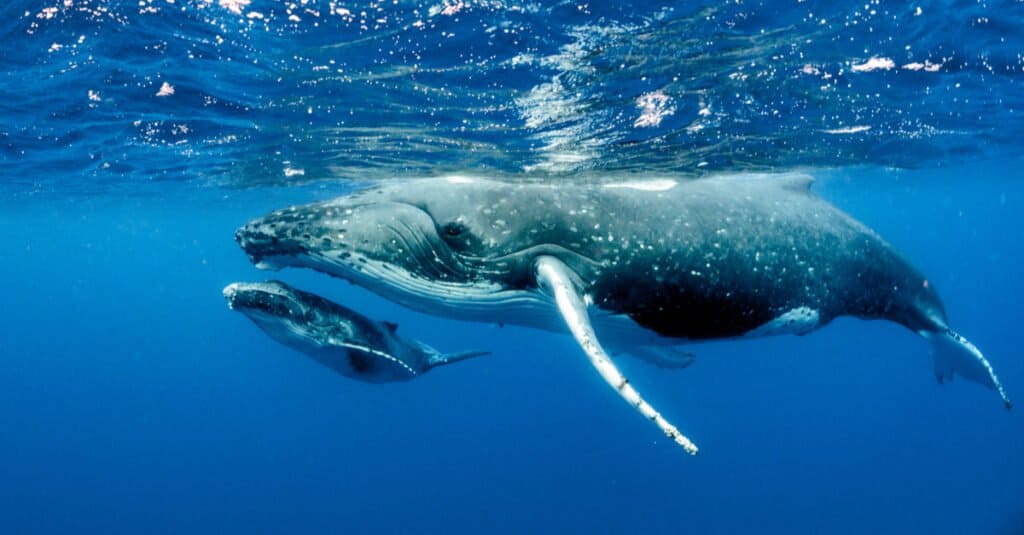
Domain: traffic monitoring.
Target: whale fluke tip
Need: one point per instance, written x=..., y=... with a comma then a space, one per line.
x=955, y=354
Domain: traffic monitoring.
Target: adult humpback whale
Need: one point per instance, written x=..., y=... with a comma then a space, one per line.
x=337, y=337
x=637, y=266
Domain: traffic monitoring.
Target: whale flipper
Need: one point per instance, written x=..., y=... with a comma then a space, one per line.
x=559, y=282
x=955, y=354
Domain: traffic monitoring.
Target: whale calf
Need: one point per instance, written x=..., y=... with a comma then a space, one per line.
x=637, y=267
x=335, y=336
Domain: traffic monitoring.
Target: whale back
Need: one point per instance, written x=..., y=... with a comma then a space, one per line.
x=721, y=257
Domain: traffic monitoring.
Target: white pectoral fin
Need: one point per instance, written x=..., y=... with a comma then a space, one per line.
x=561, y=283
x=955, y=354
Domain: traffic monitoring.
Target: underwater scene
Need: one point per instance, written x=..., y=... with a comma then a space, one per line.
x=451, y=266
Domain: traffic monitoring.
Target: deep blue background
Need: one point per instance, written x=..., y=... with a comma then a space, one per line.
x=132, y=400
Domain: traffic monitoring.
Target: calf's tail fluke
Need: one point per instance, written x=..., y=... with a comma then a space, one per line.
x=436, y=358
x=955, y=354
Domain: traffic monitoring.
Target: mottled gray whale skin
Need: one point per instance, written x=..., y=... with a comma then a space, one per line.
x=338, y=337
x=636, y=264
x=702, y=259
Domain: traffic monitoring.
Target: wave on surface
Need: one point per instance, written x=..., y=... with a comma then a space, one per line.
x=110, y=95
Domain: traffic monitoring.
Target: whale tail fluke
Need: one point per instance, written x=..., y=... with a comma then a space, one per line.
x=955, y=354
x=448, y=358
x=436, y=358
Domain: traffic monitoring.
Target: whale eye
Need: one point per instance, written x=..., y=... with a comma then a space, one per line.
x=453, y=229
x=458, y=235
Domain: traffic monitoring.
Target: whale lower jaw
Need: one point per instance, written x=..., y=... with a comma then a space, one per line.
x=478, y=302
x=285, y=332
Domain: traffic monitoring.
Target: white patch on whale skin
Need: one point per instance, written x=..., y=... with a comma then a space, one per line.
x=663, y=184
x=801, y=320
x=460, y=179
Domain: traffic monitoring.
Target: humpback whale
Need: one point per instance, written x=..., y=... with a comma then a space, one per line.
x=336, y=336
x=634, y=267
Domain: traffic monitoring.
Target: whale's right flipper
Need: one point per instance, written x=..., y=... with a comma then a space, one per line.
x=560, y=282
x=955, y=354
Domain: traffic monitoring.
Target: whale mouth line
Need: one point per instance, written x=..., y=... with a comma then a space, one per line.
x=468, y=300
x=402, y=252
x=264, y=298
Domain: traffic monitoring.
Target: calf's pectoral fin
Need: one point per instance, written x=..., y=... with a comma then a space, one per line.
x=955, y=354
x=562, y=285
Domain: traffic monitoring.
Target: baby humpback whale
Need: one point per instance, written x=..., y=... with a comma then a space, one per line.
x=335, y=336
x=637, y=267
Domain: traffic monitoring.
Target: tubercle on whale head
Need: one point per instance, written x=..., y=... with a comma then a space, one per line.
x=263, y=242
x=272, y=298
x=436, y=246
x=355, y=238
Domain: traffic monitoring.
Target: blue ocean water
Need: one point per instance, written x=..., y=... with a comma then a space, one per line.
x=135, y=137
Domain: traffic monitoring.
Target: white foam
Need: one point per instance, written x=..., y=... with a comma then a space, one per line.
x=653, y=108
x=927, y=66
x=874, y=64
x=234, y=6
x=166, y=90
x=848, y=130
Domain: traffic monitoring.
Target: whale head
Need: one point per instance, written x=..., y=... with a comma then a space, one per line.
x=451, y=246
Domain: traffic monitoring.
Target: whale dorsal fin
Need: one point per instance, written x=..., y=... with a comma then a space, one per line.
x=561, y=283
x=390, y=326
